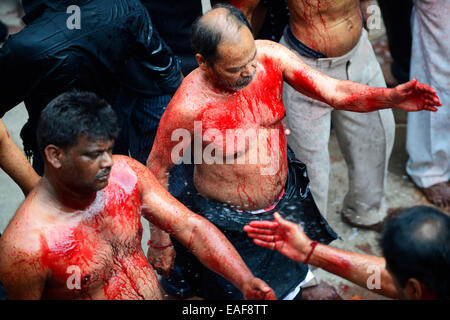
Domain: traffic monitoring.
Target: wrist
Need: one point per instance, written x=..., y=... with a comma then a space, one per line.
x=158, y=246
x=312, y=246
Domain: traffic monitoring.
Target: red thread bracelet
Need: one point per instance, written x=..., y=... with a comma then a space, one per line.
x=155, y=246
x=313, y=246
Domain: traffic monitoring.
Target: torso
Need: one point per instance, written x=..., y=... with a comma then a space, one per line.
x=328, y=26
x=253, y=173
x=101, y=246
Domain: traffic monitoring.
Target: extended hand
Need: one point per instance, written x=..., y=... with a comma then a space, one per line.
x=162, y=260
x=281, y=235
x=414, y=96
x=256, y=289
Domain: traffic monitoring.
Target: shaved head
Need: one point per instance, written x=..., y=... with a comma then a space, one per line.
x=219, y=25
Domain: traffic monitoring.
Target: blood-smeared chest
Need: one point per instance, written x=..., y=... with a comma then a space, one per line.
x=250, y=112
x=83, y=252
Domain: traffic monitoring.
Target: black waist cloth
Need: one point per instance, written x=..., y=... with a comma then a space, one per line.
x=300, y=47
x=282, y=274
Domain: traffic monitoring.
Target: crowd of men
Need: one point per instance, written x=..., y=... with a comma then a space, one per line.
x=178, y=113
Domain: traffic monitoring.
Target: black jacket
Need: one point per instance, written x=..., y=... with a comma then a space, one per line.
x=115, y=46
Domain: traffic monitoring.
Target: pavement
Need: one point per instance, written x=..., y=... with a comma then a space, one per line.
x=400, y=191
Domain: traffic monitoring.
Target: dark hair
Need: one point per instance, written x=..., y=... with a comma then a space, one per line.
x=206, y=38
x=73, y=114
x=416, y=244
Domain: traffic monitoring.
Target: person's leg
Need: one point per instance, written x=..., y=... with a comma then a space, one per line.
x=428, y=133
x=309, y=123
x=427, y=143
x=366, y=141
x=397, y=19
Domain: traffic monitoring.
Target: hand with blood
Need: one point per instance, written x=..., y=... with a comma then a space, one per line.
x=282, y=235
x=162, y=259
x=415, y=96
x=257, y=289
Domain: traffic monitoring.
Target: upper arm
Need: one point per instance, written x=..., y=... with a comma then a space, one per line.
x=21, y=274
x=174, y=135
x=159, y=206
x=299, y=75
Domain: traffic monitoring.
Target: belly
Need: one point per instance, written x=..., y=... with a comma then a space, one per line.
x=252, y=179
x=330, y=27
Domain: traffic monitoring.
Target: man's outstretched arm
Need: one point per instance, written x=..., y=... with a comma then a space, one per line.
x=200, y=236
x=348, y=95
x=290, y=240
x=14, y=162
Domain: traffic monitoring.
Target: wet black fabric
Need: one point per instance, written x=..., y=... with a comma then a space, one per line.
x=282, y=274
x=116, y=46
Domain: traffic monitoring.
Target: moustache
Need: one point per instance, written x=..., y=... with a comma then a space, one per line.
x=103, y=173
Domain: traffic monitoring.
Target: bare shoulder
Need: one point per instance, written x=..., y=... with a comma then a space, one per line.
x=129, y=165
x=190, y=97
x=129, y=169
x=21, y=238
x=270, y=48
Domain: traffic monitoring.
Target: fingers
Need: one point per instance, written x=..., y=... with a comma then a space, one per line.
x=250, y=229
x=269, y=245
x=264, y=224
x=266, y=238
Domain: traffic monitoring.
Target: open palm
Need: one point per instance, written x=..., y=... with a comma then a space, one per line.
x=281, y=235
x=414, y=96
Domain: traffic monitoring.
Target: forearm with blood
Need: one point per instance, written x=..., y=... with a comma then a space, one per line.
x=356, y=97
x=214, y=250
x=353, y=267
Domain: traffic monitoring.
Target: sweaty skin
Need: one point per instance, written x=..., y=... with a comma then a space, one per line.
x=48, y=247
x=14, y=162
x=328, y=26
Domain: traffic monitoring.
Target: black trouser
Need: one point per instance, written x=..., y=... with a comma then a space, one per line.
x=397, y=19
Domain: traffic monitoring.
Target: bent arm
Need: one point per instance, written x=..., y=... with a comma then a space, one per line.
x=14, y=162
x=168, y=148
x=200, y=236
x=197, y=234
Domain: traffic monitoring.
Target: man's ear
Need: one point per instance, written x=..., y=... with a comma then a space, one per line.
x=54, y=155
x=413, y=289
x=202, y=62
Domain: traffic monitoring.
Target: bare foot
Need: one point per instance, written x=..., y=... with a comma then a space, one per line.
x=439, y=195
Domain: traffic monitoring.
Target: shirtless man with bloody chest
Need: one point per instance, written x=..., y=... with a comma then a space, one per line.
x=78, y=234
x=231, y=111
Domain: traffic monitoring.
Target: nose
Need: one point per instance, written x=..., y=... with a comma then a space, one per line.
x=249, y=70
x=107, y=160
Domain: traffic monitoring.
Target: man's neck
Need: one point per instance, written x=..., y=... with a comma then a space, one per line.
x=66, y=196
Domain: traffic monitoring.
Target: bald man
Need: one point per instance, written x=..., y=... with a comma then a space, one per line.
x=230, y=111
